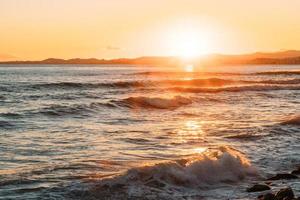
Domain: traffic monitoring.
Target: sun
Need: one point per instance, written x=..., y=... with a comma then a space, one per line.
x=188, y=41
x=189, y=68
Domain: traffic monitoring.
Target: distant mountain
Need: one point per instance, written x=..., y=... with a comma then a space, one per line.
x=282, y=57
x=290, y=57
x=138, y=61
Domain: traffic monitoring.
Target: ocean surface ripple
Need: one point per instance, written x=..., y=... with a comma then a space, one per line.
x=136, y=132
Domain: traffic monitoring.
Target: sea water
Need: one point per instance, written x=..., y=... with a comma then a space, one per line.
x=144, y=132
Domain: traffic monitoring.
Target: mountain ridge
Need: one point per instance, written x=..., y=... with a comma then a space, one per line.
x=282, y=57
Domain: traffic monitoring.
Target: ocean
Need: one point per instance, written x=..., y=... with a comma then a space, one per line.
x=143, y=132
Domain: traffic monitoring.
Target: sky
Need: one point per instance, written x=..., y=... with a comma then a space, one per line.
x=39, y=29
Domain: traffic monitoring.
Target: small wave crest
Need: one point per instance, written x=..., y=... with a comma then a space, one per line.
x=6, y=125
x=161, y=73
x=154, y=102
x=278, y=73
x=57, y=110
x=279, y=82
x=195, y=82
x=241, y=88
x=293, y=120
x=75, y=85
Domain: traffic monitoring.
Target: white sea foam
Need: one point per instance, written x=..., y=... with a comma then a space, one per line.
x=222, y=166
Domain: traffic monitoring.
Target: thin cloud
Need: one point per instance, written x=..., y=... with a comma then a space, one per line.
x=113, y=48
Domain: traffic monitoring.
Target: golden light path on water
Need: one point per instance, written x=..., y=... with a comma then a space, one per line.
x=191, y=130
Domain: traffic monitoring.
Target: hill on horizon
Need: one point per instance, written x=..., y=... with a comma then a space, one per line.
x=281, y=57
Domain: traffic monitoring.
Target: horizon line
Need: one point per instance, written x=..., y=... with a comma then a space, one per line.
x=154, y=56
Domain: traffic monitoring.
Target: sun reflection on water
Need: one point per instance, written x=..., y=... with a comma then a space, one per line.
x=192, y=125
x=190, y=130
x=200, y=150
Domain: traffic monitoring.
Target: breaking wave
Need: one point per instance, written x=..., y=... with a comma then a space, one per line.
x=222, y=166
x=154, y=102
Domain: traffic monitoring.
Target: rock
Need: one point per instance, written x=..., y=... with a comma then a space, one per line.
x=258, y=188
x=296, y=171
x=268, y=196
x=268, y=182
x=284, y=194
x=155, y=184
x=283, y=176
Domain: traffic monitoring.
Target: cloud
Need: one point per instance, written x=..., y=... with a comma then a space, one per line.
x=113, y=48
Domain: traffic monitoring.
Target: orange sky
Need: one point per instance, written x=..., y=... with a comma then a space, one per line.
x=38, y=29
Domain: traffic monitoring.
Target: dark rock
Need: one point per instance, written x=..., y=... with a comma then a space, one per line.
x=258, y=188
x=155, y=184
x=296, y=171
x=284, y=194
x=268, y=182
x=268, y=196
x=283, y=176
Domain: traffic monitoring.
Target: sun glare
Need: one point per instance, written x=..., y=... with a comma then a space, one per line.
x=188, y=41
x=189, y=68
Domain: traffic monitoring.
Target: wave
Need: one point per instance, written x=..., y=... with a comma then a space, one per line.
x=57, y=110
x=181, y=73
x=161, y=73
x=6, y=125
x=278, y=73
x=209, y=82
x=154, y=102
x=128, y=84
x=245, y=136
x=71, y=85
x=294, y=120
x=10, y=115
x=242, y=88
x=224, y=165
x=287, y=81
x=218, y=82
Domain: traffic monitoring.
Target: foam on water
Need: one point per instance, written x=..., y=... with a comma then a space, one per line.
x=224, y=165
